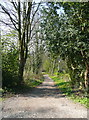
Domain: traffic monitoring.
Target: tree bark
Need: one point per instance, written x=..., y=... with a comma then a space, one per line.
x=21, y=47
x=87, y=77
x=23, y=37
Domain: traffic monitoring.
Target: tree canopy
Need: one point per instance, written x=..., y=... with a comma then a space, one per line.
x=47, y=35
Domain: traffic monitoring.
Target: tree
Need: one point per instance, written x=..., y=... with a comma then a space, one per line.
x=21, y=19
x=80, y=16
x=65, y=36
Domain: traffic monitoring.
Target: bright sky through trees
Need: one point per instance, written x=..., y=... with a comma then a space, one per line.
x=4, y=27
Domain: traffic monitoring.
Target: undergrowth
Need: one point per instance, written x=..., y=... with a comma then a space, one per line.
x=27, y=86
x=74, y=94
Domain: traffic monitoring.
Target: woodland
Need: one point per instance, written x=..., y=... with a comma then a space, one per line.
x=45, y=38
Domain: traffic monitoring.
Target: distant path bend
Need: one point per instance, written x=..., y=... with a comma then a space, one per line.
x=44, y=101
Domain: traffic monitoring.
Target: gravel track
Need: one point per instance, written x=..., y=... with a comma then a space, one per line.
x=44, y=101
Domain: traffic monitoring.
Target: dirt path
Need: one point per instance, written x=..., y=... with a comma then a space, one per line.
x=45, y=101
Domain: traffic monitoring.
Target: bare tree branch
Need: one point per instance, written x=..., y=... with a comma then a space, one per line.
x=35, y=13
x=15, y=5
x=12, y=20
x=7, y=24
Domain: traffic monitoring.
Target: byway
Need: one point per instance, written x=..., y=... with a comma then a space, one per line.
x=45, y=101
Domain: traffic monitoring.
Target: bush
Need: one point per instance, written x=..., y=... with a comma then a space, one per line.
x=9, y=64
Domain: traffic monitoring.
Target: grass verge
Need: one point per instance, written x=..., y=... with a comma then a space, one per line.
x=66, y=89
x=27, y=86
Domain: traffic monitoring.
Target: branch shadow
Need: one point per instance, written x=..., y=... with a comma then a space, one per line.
x=44, y=91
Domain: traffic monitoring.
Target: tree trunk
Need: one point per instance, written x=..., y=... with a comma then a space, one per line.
x=87, y=77
x=21, y=66
x=21, y=50
x=21, y=69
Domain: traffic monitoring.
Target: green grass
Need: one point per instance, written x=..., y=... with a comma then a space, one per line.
x=1, y=91
x=62, y=85
x=84, y=100
x=33, y=83
x=0, y=99
x=34, y=80
x=66, y=89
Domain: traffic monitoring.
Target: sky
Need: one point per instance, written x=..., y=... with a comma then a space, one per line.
x=5, y=28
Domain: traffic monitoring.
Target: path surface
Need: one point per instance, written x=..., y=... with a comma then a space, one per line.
x=45, y=101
